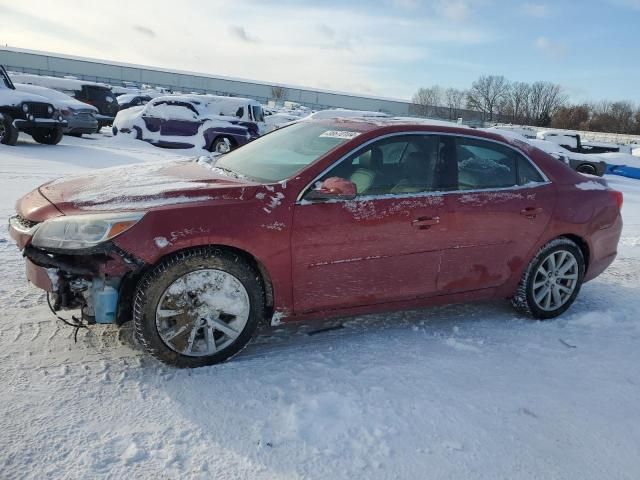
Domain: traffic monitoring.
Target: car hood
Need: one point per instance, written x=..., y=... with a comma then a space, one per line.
x=13, y=98
x=143, y=186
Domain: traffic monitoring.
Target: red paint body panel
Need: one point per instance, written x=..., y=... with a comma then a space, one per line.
x=489, y=237
x=360, y=256
x=363, y=252
x=38, y=276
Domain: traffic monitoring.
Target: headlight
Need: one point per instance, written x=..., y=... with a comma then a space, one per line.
x=82, y=231
x=25, y=107
x=49, y=109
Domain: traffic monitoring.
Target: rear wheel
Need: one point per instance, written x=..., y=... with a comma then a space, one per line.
x=48, y=136
x=198, y=307
x=552, y=280
x=586, y=168
x=8, y=133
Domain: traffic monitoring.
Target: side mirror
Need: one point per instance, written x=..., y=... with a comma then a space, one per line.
x=333, y=188
x=223, y=147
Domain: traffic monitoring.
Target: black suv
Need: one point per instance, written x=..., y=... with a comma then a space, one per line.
x=24, y=112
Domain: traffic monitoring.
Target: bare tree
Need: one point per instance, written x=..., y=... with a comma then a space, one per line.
x=572, y=117
x=487, y=93
x=519, y=96
x=544, y=100
x=278, y=92
x=454, y=101
x=425, y=99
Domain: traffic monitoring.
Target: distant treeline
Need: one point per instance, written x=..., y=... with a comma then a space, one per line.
x=542, y=104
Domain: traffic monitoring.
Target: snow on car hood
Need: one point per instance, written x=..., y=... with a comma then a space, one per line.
x=141, y=187
x=13, y=98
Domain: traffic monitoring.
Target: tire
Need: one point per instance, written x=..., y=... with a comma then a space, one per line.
x=48, y=136
x=219, y=140
x=186, y=288
x=8, y=133
x=532, y=298
x=586, y=168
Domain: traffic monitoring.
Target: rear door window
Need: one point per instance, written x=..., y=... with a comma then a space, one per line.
x=485, y=165
x=527, y=173
x=477, y=164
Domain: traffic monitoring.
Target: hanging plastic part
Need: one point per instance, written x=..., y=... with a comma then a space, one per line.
x=77, y=323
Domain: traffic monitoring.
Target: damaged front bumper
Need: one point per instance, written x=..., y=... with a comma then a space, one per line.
x=100, y=283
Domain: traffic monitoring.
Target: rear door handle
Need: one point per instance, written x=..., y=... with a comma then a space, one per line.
x=531, y=211
x=424, y=223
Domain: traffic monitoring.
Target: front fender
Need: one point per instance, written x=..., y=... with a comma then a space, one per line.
x=259, y=226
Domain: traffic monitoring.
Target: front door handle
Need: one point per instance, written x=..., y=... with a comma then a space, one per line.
x=424, y=223
x=531, y=212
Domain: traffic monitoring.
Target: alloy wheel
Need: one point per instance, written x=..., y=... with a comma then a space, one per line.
x=203, y=312
x=555, y=280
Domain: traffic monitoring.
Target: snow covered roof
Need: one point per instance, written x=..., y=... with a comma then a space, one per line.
x=210, y=105
x=205, y=75
x=56, y=83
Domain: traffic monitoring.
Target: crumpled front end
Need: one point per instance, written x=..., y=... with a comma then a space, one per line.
x=87, y=279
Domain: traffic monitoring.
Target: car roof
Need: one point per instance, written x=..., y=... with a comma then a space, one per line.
x=383, y=125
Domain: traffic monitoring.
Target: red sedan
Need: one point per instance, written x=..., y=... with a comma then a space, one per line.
x=321, y=218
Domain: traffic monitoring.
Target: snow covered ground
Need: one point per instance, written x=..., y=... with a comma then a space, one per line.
x=460, y=392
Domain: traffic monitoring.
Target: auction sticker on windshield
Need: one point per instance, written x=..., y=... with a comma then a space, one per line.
x=339, y=134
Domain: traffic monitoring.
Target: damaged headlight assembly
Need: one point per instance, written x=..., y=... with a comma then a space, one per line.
x=79, y=232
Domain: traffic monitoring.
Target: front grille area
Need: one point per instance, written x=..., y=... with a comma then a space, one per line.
x=84, y=115
x=24, y=223
x=39, y=110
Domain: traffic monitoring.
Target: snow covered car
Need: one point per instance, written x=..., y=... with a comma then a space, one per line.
x=187, y=121
x=29, y=113
x=129, y=100
x=316, y=219
x=97, y=94
x=80, y=117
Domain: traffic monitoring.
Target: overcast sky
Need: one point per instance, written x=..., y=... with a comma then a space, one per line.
x=387, y=47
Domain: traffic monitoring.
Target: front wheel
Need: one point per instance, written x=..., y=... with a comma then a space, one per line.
x=198, y=307
x=8, y=133
x=552, y=280
x=222, y=144
x=48, y=136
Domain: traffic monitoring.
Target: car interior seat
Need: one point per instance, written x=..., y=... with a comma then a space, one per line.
x=368, y=173
x=417, y=174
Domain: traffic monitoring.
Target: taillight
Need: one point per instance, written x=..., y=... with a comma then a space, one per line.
x=618, y=198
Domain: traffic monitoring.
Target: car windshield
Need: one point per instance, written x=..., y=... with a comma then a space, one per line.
x=284, y=152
